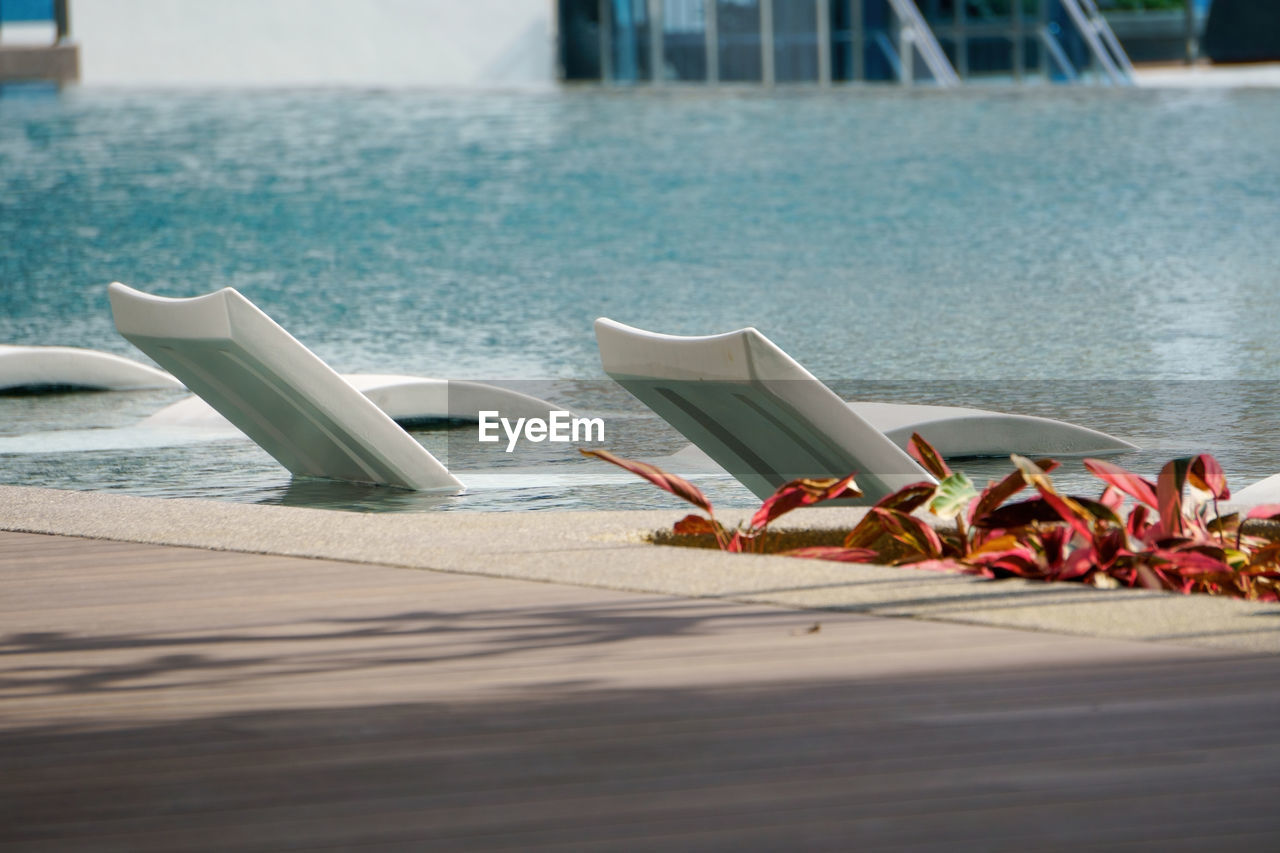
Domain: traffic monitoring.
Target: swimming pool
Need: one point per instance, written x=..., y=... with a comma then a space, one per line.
x=1107, y=257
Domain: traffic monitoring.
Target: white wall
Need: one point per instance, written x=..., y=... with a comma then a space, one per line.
x=432, y=43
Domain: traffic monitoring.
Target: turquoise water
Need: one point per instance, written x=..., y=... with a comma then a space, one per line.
x=1105, y=256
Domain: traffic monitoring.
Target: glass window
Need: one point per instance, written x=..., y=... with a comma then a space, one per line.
x=684, y=39
x=795, y=41
x=738, y=26
x=579, y=39
x=631, y=41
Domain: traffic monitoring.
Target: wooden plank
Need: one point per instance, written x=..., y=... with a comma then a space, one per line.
x=155, y=698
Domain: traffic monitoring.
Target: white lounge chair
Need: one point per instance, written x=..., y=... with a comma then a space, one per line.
x=406, y=399
x=274, y=389
x=1265, y=491
x=766, y=420
x=32, y=368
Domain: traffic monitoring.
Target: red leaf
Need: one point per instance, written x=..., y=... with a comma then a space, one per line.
x=695, y=525
x=1131, y=484
x=677, y=486
x=1206, y=475
x=834, y=552
x=1055, y=544
x=1147, y=578
x=1169, y=491
x=905, y=500
x=910, y=531
x=802, y=492
x=1017, y=514
x=929, y=459
x=1078, y=564
x=1071, y=512
x=996, y=494
x=1112, y=498
x=1097, y=510
x=1191, y=562
x=1137, y=524
x=1019, y=560
x=908, y=498
x=1110, y=546
x=943, y=565
x=1068, y=509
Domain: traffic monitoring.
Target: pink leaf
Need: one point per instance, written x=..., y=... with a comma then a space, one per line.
x=1078, y=564
x=1138, y=524
x=910, y=531
x=1191, y=562
x=834, y=552
x=943, y=565
x=1206, y=475
x=1112, y=498
x=995, y=494
x=929, y=459
x=1169, y=491
x=908, y=498
x=802, y=492
x=1019, y=561
x=1267, y=511
x=1068, y=510
x=1131, y=484
x=677, y=486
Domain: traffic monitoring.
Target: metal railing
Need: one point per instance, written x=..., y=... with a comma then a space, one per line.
x=1097, y=34
x=915, y=36
x=1067, y=40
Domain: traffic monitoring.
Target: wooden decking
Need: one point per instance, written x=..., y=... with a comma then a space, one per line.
x=159, y=698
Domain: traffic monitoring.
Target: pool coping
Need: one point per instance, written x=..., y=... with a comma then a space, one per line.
x=607, y=549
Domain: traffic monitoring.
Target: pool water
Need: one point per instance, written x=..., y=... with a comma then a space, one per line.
x=1107, y=257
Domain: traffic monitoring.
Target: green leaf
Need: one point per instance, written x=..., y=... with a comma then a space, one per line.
x=953, y=495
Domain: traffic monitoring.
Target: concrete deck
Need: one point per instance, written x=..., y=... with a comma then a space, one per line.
x=1249, y=75
x=155, y=697
x=606, y=550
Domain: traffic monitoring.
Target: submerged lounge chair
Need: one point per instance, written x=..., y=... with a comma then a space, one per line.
x=31, y=368
x=766, y=420
x=407, y=399
x=274, y=389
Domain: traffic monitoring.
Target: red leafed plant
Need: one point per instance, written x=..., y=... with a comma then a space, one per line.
x=747, y=538
x=1164, y=542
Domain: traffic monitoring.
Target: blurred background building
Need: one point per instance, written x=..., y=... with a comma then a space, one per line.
x=287, y=43
x=537, y=43
x=826, y=41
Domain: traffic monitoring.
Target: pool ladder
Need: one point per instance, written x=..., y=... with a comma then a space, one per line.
x=1100, y=38
x=916, y=36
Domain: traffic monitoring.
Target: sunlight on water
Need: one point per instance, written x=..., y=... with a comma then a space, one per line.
x=1117, y=247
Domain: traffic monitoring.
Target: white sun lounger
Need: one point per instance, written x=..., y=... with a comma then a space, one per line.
x=32, y=368
x=1265, y=491
x=407, y=399
x=274, y=389
x=766, y=420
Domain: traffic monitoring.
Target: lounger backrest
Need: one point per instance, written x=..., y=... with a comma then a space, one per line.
x=753, y=409
x=34, y=368
x=274, y=389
